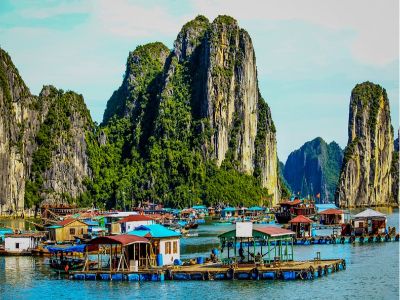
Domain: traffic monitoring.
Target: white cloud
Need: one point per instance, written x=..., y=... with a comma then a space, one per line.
x=375, y=22
x=125, y=18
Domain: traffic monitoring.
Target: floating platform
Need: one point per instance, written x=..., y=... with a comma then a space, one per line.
x=327, y=240
x=292, y=270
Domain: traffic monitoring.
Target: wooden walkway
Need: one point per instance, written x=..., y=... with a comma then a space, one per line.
x=292, y=270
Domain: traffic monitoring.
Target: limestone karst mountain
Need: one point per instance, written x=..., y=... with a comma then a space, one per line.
x=366, y=177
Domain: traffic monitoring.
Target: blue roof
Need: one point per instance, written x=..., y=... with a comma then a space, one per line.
x=228, y=208
x=155, y=231
x=255, y=208
x=91, y=223
x=199, y=207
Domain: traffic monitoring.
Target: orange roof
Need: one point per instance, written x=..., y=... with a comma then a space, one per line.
x=135, y=218
x=331, y=211
x=300, y=219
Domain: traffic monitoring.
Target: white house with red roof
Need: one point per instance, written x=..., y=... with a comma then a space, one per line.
x=129, y=223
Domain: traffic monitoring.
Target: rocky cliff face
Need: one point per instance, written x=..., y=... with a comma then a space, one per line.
x=225, y=93
x=366, y=178
x=314, y=169
x=204, y=108
x=32, y=171
x=15, y=99
x=395, y=172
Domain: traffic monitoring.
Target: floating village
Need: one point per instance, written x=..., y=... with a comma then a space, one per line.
x=145, y=244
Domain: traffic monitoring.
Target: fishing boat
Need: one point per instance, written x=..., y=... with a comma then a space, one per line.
x=191, y=225
x=66, y=259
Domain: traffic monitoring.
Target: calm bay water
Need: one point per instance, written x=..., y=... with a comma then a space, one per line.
x=372, y=273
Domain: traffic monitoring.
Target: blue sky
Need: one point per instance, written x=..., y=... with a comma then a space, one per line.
x=310, y=53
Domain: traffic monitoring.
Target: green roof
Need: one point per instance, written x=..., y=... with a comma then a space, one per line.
x=154, y=231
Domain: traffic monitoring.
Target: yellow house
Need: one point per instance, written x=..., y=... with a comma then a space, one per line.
x=67, y=230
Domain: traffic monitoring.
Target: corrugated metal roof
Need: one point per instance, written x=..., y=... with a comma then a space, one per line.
x=154, y=231
x=369, y=213
x=274, y=231
x=331, y=211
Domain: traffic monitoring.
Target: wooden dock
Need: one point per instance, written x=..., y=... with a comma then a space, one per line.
x=291, y=270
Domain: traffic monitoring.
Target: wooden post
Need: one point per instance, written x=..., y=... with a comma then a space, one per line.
x=110, y=257
x=228, y=250
x=248, y=249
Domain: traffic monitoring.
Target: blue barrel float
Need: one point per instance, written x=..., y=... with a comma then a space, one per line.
x=133, y=277
x=177, y=262
x=289, y=275
x=200, y=260
x=159, y=260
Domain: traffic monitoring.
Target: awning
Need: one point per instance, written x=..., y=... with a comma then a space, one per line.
x=70, y=249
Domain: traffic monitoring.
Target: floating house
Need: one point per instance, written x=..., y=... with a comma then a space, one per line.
x=165, y=242
x=4, y=231
x=211, y=211
x=332, y=216
x=369, y=221
x=125, y=252
x=269, y=242
x=254, y=211
x=229, y=212
x=301, y=225
x=22, y=243
x=201, y=210
x=131, y=222
x=188, y=213
x=68, y=230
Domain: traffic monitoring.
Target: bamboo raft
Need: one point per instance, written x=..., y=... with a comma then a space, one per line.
x=291, y=270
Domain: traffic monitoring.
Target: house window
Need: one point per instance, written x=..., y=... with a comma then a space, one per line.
x=361, y=225
x=168, y=248
x=72, y=231
x=16, y=245
x=175, y=247
x=81, y=230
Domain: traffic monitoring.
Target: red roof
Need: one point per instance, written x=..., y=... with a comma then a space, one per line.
x=300, y=219
x=274, y=231
x=67, y=221
x=122, y=239
x=331, y=211
x=135, y=218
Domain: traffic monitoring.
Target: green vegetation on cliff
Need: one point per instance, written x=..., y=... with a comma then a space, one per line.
x=314, y=169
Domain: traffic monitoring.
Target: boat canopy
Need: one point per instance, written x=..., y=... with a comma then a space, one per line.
x=70, y=249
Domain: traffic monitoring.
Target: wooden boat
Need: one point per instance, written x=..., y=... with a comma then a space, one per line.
x=191, y=225
x=66, y=264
